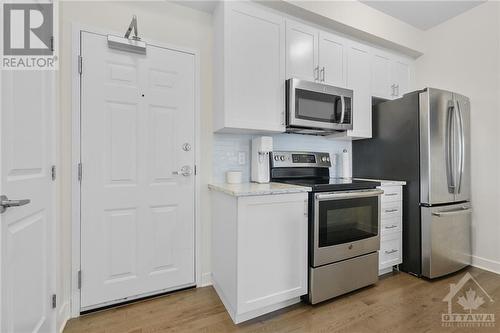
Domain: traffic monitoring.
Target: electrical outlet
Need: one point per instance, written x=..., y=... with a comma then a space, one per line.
x=241, y=158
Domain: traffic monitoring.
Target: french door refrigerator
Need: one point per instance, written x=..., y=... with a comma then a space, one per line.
x=424, y=139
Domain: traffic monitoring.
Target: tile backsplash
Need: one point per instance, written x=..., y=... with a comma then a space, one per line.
x=232, y=151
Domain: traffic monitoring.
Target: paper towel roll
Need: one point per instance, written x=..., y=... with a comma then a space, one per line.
x=346, y=164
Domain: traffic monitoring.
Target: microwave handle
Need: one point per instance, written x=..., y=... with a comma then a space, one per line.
x=342, y=115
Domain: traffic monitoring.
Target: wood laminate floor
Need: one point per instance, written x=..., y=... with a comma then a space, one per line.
x=397, y=303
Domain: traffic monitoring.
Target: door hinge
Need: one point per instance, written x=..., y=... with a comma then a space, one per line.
x=80, y=171
x=79, y=279
x=53, y=172
x=80, y=64
x=195, y=170
x=54, y=301
x=52, y=43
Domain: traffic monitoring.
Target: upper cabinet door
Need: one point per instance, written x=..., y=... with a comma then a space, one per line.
x=332, y=59
x=358, y=79
x=255, y=68
x=400, y=77
x=381, y=75
x=301, y=51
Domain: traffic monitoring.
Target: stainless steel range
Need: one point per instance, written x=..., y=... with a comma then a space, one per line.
x=344, y=224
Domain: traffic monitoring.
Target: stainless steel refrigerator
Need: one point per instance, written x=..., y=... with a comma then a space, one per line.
x=424, y=138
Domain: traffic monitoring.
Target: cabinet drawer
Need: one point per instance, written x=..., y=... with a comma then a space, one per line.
x=391, y=193
x=391, y=209
x=390, y=251
x=390, y=225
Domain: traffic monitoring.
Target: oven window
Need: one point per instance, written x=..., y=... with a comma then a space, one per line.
x=347, y=220
x=311, y=105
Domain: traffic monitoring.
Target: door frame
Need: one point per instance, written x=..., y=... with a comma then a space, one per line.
x=76, y=30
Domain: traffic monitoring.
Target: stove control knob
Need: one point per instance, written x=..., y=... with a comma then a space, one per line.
x=276, y=157
x=282, y=157
x=323, y=159
x=328, y=159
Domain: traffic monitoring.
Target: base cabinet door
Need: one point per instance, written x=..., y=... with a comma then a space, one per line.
x=272, y=250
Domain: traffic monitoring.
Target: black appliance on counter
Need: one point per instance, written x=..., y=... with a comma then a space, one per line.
x=344, y=223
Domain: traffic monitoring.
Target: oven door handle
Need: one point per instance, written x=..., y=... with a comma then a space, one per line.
x=348, y=195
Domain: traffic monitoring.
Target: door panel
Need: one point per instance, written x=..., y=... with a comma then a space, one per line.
x=332, y=59
x=137, y=209
x=463, y=106
x=446, y=239
x=27, y=253
x=400, y=77
x=435, y=153
x=301, y=51
x=381, y=75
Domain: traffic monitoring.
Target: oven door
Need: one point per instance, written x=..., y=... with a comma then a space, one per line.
x=316, y=105
x=346, y=225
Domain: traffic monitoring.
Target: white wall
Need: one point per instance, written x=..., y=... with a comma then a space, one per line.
x=159, y=21
x=463, y=55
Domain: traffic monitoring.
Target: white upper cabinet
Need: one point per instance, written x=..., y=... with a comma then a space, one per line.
x=332, y=59
x=401, y=75
x=249, y=69
x=358, y=79
x=391, y=75
x=301, y=51
x=315, y=55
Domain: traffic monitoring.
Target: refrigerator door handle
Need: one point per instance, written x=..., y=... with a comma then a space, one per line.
x=461, y=147
x=450, y=147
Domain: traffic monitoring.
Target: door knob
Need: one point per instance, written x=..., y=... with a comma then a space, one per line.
x=186, y=147
x=184, y=171
x=6, y=203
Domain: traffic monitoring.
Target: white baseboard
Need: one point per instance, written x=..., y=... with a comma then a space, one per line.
x=63, y=316
x=486, y=264
x=206, y=280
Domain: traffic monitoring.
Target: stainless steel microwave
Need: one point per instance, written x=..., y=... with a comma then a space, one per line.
x=316, y=108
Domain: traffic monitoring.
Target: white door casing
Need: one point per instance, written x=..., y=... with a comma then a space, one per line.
x=137, y=216
x=27, y=232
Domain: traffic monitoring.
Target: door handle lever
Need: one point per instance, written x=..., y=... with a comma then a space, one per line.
x=184, y=171
x=6, y=203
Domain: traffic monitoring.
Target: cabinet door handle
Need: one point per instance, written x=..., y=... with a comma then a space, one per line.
x=391, y=226
x=283, y=118
x=393, y=87
x=391, y=210
x=390, y=194
x=397, y=89
x=306, y=208
x=316, y=73
x=391, y=251
x=322, y=74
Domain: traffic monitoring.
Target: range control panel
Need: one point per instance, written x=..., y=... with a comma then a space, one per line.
x=288, y=159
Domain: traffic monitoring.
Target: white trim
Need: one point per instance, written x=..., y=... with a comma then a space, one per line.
x=64, y=312
x=486, y=264
x=206, y=280
x=75, y=158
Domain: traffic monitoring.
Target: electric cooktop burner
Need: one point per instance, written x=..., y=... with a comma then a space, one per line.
x=332, y=184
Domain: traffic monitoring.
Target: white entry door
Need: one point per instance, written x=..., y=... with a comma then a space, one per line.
x=26, y=241
x=137, y=187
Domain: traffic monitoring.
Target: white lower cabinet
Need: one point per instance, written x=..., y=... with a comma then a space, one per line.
x=391, y=227
x=259, y=252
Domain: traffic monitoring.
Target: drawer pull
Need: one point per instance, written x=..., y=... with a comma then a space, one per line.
x=391, y=226
x=390, y=194
x=391, y=251
x=391, y=210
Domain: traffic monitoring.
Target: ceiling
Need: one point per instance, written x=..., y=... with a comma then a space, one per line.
x=203, y=5
x=423, y=14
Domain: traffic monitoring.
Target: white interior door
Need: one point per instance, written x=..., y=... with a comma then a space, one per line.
x=27, y=244
x=137, y=140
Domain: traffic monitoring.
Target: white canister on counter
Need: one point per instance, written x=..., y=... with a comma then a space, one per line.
x=233, y=177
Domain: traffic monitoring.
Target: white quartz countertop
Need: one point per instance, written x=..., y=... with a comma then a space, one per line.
x=249, y=189
x=386, y=182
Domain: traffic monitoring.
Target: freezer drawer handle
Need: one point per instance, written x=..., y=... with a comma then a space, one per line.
x=463, y=210
x=391, y=251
